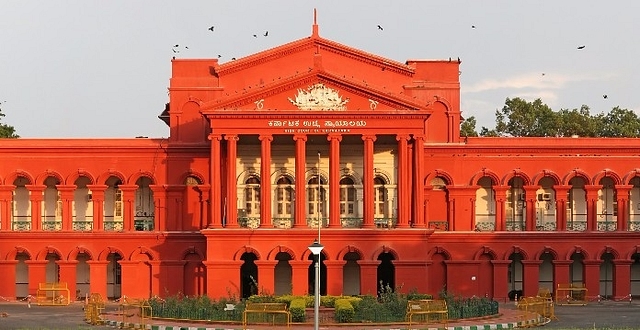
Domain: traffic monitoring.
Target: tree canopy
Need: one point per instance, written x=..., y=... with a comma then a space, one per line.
x=7, y=131
x=519, y=117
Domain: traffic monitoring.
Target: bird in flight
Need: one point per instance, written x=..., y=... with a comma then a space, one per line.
x=211, y=28
x=380, y=28
x=266, y=33
x=255, y=35
x=473, y=26
x=581, y=46
x=219, y=56
x=605, y=96
x=233, y=58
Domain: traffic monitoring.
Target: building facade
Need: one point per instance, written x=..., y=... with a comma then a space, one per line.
x=317, y=140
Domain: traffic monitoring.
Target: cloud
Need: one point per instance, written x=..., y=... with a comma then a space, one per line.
x=529, y=81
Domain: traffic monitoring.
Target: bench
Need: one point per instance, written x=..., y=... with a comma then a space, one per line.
x=429, y=310
x=266, y=309
x=53, y=294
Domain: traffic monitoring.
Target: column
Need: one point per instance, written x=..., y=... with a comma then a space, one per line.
x=128, y=201
x=36, y=196
x=561, y=272
x=223, y=277
x=368, y=276
x=592, y=210
x=592, y=277
x=205, y=202
x=37, y=274
x=266, y=276
x=98, y=277
x=8, y=283
x=265, y=180
x=6, y=197
x=300, y=214
x=300, y=276
x=621, y=278
x=418, y=183
x=367, y=181
x=215, y=216
x=531, y=277
x=334, y=180
x=66, y=195
x=561, y=206
x=403, y=180
x=501, y=195
x=97, y=198
x=622, y=198
x=530, y=199
x=461, y=210
x=160, y=209
x=129, y=274
x=334, y=276
x=68, y=275
x=232, y=185
x=500, y=279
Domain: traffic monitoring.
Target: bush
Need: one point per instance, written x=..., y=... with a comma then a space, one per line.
x=297, y=310
x=344, y=311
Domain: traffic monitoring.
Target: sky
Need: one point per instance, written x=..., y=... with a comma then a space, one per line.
x=73, y=69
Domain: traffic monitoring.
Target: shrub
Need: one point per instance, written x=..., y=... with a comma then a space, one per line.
x=297, y=309
x=344, y=311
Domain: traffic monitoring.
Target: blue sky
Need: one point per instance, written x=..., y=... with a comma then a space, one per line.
x=102, y=68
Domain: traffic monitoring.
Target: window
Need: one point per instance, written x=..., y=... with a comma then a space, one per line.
x=316, y=206
x=252, y=196
x=347, y=197
x=379, y=197
x=284, y=197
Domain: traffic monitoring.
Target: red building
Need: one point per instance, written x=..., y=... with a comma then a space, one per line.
x=265, y=148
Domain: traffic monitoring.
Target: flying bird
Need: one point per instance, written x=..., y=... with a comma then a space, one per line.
x=581, y=46
x=255, y=35
x=543, y=73
x=233, y=58
x=380, y=28
x=473, y=26
x=266, y=33
x=176, y=46
x=211, y=28
x=219, y=56
x=605, y=96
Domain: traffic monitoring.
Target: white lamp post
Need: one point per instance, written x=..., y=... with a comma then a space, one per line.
x=316, y=249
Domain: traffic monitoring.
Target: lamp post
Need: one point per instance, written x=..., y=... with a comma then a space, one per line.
x=316, y=248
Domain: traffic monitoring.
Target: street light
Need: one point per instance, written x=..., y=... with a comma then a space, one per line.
x=316, y=248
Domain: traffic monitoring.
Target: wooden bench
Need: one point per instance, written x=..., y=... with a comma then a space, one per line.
x=266, y=309
x=429, y=310
x=53, y=294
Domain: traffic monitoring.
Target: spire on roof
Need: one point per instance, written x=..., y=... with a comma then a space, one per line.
x=314, y=31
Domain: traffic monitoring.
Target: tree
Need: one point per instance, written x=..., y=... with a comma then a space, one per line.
x=521, y=118
x=619, y=123
x=577, y=122
x=468, y=127
x=7, y=131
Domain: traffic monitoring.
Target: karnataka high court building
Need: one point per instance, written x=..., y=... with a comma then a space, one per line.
x=312, y=140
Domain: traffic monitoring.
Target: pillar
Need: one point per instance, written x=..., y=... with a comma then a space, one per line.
x=369, y=276
x=130, y=285
x=97, y=197
x=205, y=202
x=403, y=180
x=36, y=196
x=300, y=214
x=98, y=277
x=561, y=272
x=8, y=283
x=266, y=276
x=37, y=274
x=68, y=275
x=334, y=276
x=530, y=200
x=223, y=277
x=160, y=208
x=461, y=210
x=418, y=183
x=6, y=198
x=265, y=180
x=334, y=180
x=501, y=196
x=592, y=277
x=500, y=279
x=531, y=277
x=592, y=210
x=66, y=195
x=622, y=195
x=215, y=216
x=232, y=185
x=367, y=182
x=128, y=200
x=622, y=278
x=561, y=206
x=300, y=276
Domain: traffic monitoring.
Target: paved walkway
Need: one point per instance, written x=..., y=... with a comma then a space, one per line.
x=507, y=319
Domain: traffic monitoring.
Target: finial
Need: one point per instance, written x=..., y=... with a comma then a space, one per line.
x=315, y=23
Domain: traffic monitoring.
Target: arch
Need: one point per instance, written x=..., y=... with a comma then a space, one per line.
x=634, y=250
x=191, y=250
x=283, y=172
x=144, y=174
x=48, y=173
x=609, y=249
x=443, y=101
x=102, y=178
x=609, y=174
x=16, y=174
x=438, y=173
x=73, y=254
x=355, y=176
x=195, y=174
x=546, y=173
x=577, y=249
x=546, y=249
x=193, y=101
x=310, y=174
x=102, y=256
x=576, y=173
x=485, y=250
x=42, y=254
x=143, y=250
x=349, y=249
x=281, y=248
x=516, y=249
x=516, y=173
x=71, y=178
x=11, y=255
x=438, y=250
x=630, y=175
x=386, y=176
x=384, y=249
x=246, y=249
x=485, y=172
x=246, y=174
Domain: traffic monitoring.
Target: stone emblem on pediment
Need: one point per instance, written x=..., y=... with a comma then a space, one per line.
x=319, y=97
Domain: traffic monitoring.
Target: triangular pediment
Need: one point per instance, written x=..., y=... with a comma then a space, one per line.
x=315, y=91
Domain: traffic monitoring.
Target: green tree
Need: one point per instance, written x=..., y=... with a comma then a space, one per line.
x=619, y=123
x=7, y=131
x=468, y=127
x=577, y=122
x=521, y=118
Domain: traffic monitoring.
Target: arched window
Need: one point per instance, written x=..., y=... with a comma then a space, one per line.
x=347, y=197
x=252, y=196
x=284, y=197
x=379, y=197
x=316, y=206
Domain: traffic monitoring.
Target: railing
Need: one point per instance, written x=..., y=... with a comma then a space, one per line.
x=485, y=226
x=546, y=225
x=110, y=225
x=350, y=222
x=607, y=225
x=439, y=225
x=576, y=225
x=249, y=222
x=143, y=223
x=634, y=225
x=385, y=222
x=515, y=225
x=284, y=223
x=51, y=225
x=21, y=223
x=312, y=222
x=82, y=225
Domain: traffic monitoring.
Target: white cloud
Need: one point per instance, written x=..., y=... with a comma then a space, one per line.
x=528, y=81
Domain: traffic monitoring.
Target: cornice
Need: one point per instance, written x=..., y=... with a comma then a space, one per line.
x=362, y=56
x=315, y=114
